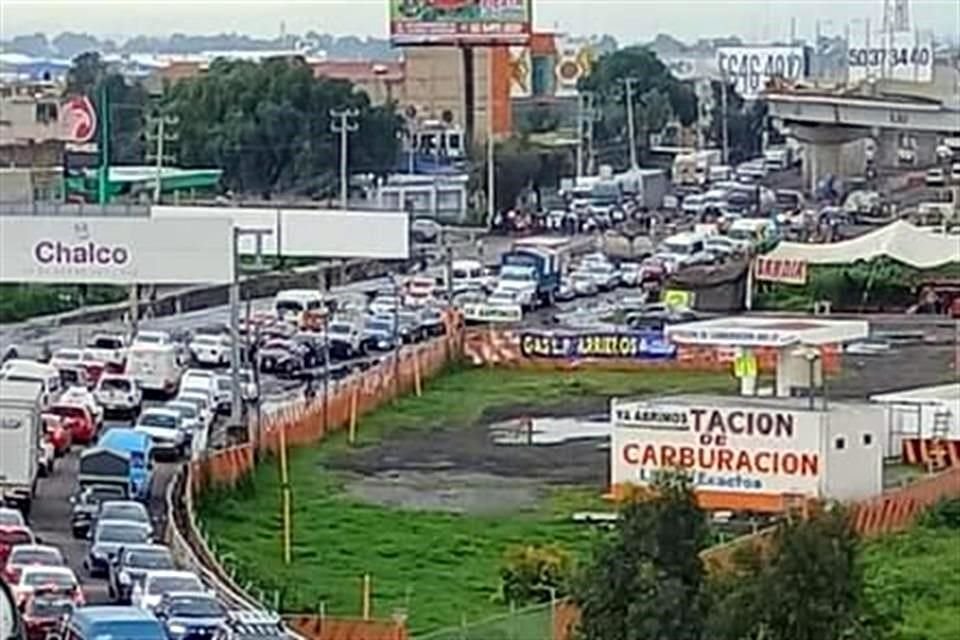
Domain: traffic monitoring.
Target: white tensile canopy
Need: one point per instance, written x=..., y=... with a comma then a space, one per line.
x=912, y=245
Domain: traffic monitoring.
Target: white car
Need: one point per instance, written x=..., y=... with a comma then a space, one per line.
x=605, y=275
x=201, y=401
x=10, y=517
x=211, y=350
x=955, y=172
x=584, y=284
x=165, y=430
x=631, y=274
x=385, y=305
x=148, y=594
x=37, y=576
x=936, y=177
x=67, y=358
x=191, y=420
x=199, y=378
x=722, y=247
x=85, y=398
x=153, y=337
x=118, y=393
x=224, y=394
x=110, y=348
x=248, y=385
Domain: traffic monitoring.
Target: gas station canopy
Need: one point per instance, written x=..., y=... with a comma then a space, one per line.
x=752, y=331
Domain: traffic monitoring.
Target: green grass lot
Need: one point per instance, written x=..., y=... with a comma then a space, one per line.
x=441, y=568
x=916, y=574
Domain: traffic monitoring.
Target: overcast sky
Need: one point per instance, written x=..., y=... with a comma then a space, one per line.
x=628, y=20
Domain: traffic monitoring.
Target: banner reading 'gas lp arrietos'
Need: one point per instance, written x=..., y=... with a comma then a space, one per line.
x=723, y=448
x=454, y=22
x=115, y=251
x=603, y=345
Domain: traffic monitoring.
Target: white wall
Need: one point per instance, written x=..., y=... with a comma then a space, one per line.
x=853, y=451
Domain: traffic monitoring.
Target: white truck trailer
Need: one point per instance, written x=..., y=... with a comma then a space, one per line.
x=20, y=442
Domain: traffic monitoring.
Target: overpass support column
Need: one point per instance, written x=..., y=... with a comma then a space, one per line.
x=820, y=159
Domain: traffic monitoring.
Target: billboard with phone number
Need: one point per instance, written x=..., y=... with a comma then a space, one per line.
x=749, y=69
x=454, y=22
x=648, y=345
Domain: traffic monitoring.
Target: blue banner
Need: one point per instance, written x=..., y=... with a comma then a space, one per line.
x=645, y=345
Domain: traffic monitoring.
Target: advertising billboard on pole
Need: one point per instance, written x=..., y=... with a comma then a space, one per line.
x=751, y=68
x=310, y=233
x=460, y=22
x=905, y=56
x=58, y=249
x=739, y=449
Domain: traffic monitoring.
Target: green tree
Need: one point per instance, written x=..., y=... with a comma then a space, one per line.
x=646, y=582
x=657, y=97
x=810, y=587
x=87, y=75
x=745, y=123
x=267, y=125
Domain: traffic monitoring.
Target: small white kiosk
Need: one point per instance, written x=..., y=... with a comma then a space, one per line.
x=798, y=343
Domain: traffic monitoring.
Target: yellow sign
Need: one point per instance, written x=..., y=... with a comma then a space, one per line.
x=745, y=366
x=678, y=299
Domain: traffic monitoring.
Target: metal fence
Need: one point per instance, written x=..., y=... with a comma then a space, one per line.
x=530, y=623
x=120, y=210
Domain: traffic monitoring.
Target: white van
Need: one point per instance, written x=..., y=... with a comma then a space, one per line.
x=751, y=234
x=469, y=275
x=684, y=250
x=154, y=366
x=292, y=303
x=18, y=370
x=20, y=441
x=694, y=204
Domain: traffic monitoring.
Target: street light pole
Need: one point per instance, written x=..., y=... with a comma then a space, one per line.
x=344, y=123
x=631, y=126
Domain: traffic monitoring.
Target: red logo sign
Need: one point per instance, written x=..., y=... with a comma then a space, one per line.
x=781, y=270
x=79, y=119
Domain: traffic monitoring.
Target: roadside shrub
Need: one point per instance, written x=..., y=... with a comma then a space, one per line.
x=529, y=573
x=944, y=514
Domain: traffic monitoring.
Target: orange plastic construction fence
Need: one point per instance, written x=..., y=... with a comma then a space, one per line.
x=325, y=628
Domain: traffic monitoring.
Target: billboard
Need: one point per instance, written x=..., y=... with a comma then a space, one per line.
x=319, y=233
x=78, y=119
x=741, y=449
x=575, y=58
x=456, y=22
x=784, y=270
x=906, y=56
x=521, y=73
x=602, y=344
x=94, y=250
x=751, y=68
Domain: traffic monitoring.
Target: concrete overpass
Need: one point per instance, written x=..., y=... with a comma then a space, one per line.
x=834, y=124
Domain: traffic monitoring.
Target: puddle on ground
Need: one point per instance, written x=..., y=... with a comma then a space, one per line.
x=474, y=493
x=550, y=430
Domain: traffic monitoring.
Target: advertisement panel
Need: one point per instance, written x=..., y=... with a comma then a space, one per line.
x=457, y=22
x=482, y=312
x=906, y=56
x=732, y=449
x=640, y=345
x=521, y=73
x=784, y=270
x=751, y=68
x=93, y=250
x=575, y=57
x=311, y=232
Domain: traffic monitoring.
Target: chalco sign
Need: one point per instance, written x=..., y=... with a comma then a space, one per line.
x=115, y=251
x=731, y=449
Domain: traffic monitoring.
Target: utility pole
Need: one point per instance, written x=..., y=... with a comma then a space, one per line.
x=580, y=100
x=160, y=124
x=631, y=127
x=344, y=123
x=236, y=399
x=723, y=119
x=592, y=116
x=491, y=168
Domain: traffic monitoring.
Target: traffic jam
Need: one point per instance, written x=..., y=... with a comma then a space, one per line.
x=112, y=418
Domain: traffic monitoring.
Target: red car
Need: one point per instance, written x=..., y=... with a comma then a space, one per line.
x=78, y=420
x=44, y=613
x=57, y=434
x=12, y=535
x=93, y=365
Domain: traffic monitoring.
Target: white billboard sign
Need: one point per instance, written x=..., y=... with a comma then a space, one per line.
x=731, y=449
x=906, y=56
x=96, y=250
x=751, y=68
x=321, y=233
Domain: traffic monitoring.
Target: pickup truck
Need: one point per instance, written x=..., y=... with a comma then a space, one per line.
x=109, y=348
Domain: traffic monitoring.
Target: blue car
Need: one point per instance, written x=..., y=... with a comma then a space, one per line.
x=129, y=623
x=190, y=616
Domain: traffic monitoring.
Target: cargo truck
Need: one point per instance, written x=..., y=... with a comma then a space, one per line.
x=532, y=271
x=20, y=442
